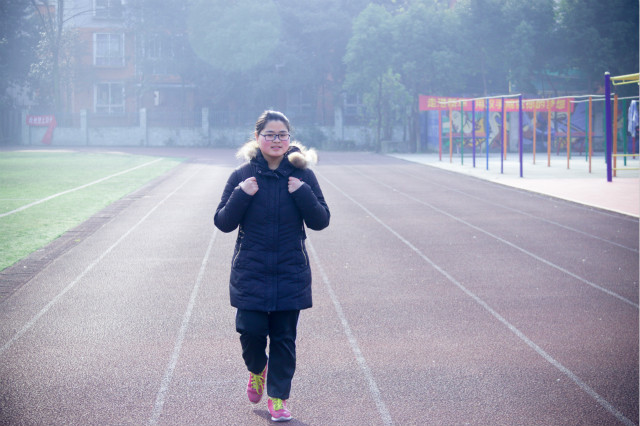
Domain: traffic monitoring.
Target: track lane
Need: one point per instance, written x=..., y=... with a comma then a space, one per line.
x=565, y=213
x=95, y=343
x=501, y=204
x=613, y=268
x=357, y=189
x=618, y=266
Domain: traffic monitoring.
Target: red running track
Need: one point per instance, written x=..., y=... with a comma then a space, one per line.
x=439, y=299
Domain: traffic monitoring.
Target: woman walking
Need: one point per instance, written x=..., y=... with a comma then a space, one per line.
x=270, y=198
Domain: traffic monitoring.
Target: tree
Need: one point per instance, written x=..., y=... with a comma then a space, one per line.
x=390, y=104
x=428, y=54
x=267, y=54
x=17, y=46
x=530, y=47
x=234, y=36
x=53, y=59
x=313, y=45
x=599, y=36
x=485, y=36
x=369, y=58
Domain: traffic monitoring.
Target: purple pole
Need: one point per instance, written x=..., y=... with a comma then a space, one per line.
x=487, y=128
x=473, y=130
x=520, y=131
x=501, y=140
x=607, y=117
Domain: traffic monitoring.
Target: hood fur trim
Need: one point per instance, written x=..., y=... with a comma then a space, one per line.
x=301, y=158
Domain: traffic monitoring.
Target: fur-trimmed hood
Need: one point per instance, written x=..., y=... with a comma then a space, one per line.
x=300, y=156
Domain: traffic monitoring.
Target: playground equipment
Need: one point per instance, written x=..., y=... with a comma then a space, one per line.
x=612, y=150
x=505, y=104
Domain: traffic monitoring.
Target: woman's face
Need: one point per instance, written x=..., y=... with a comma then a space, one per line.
x=275, y=148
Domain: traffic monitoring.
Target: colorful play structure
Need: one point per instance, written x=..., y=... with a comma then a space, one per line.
x=489, y=117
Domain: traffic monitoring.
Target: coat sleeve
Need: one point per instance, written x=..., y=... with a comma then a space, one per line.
x=311, y=203
x=233, y=205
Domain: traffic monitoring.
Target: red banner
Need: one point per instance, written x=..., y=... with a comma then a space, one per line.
x=435, y=103
x=48, y=121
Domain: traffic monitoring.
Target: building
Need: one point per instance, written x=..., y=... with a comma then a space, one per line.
x=124, y=80
x=120, y=66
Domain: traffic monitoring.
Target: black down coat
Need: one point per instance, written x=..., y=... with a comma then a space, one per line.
x=270, y=266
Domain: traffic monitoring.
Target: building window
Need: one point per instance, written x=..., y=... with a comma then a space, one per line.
x=108, y=50
x=107, y=9
x=300, y=106
x=159, y=56
x=109, y=98
x=353, y=111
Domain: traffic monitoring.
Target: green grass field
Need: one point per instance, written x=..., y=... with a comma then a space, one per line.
x=31, y=176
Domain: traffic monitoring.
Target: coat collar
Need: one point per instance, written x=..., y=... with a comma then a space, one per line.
x=297, y=155
x=284, y=169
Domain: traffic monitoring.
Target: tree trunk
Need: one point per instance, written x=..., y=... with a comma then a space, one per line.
x=57, y=44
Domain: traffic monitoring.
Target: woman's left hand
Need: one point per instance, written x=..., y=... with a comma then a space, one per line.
x=294, y=184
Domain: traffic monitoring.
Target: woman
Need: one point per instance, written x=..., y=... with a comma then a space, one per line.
x=270, y=198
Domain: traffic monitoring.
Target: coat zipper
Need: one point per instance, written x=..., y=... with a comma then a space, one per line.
x=306, y=261
x=235, y=259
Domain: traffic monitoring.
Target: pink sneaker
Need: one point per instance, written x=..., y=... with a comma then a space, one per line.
x=255, y=387
x=278, y=410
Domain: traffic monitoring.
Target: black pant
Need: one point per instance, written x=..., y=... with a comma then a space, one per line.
x=254, y=328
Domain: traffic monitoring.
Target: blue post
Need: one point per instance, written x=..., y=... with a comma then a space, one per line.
x=607, y=118
x=462, y=133
x=487, y=130
x=520, y=130
x=473, y=130
x=625, y=114
x=504, y=123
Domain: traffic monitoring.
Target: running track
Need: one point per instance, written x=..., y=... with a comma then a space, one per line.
x=439, y=299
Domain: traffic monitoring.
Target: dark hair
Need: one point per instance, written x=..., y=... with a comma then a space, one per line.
x=271, y=116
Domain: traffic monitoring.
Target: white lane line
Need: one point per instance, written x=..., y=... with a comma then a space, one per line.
x=574, y=204
x=42, y=200
x=502, y=240
x=373, y=387
x=582, y=385
x=73, y=283
x=551, y=222
x=168, y=375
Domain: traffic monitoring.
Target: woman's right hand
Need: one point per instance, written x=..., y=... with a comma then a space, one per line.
x=249, y=186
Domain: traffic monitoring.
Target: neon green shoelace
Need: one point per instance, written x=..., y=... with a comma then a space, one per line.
x=257, y=382
x=277, y=404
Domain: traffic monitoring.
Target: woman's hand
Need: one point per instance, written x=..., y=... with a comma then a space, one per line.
x=250, y=186
x=294, y=184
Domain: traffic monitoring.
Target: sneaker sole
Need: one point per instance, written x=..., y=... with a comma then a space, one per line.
x=281, y=419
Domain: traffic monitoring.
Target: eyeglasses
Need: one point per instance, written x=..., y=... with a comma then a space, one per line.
x=270, y=137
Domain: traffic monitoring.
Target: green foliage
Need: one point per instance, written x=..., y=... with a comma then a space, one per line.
x=234, y=36
x=17, y=45
x=370, y=50
x=427, y=56
x=369, y=59
x=600, y=36
x=51, y=70
x=484, y=36
x=531, y=44
x=393, y=102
